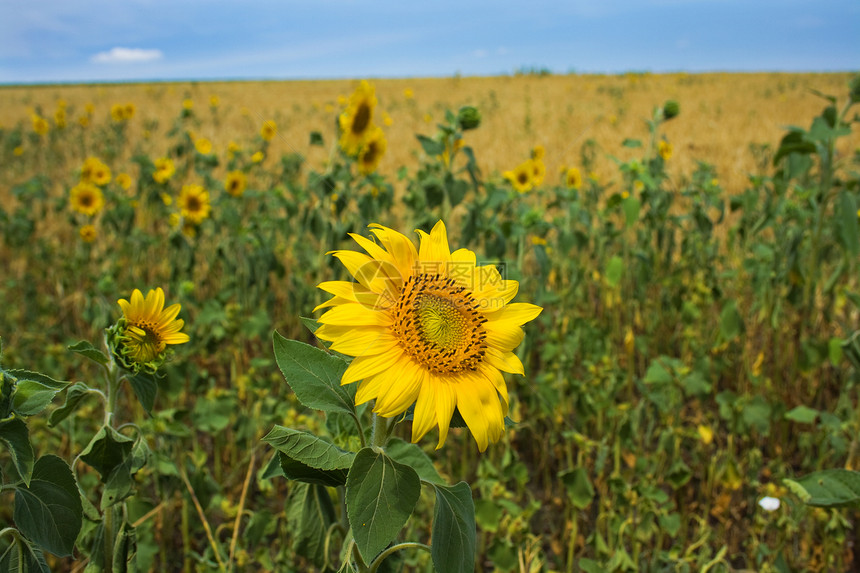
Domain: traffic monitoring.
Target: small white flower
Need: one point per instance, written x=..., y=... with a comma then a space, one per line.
x=769, y=503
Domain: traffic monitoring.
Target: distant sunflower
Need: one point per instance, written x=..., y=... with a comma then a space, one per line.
x=88, y=233
x=538, y=171
x=426, y=327
x=123, y=180
x=235, y=183
x=203, y=146
x=521, y=177
x=164, y=170
x=40, y=125
x=664, y=148
x=573, y=178
x=372, y=152
x=86, y=198
x=269, y=130
x=356, y=122
x=147, y=328
x=193, y=203
x=94, y=171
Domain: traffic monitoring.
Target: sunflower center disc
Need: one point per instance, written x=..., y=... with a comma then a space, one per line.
x=438, y=324
x=148, y=343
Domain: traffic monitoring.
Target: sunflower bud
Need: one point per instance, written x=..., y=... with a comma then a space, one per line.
x=468, y=117
x=671, y=109
x=7, y=389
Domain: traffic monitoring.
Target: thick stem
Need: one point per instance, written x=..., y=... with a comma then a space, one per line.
x=381, y=431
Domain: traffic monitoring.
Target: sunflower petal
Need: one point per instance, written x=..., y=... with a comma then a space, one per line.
x=364, y=366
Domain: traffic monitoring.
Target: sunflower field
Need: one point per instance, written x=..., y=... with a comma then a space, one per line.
x=383, y=331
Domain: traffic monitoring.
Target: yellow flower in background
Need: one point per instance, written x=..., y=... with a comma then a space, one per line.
x=538, y=152
x=60, y=118
x=187, y=104
x=538, y=241
x=427, y=327
x=356, y=121
x=94, y=171
x=268, y=130
x=428, y=118
x=123, y=180
x=372, y=152
x=194, y=203
x=117, y=112
x=18, y=151
x=86, y=198
x=164, y=170
x=214, y=101
x=408, y=93
x=328, y=108
x=166, y=199
x=147, y=328
x=129, y=110
x=174, y=220
x=342, y=100
x=521, y=177
x=234, y=184
x=538, y=171
x=386, y=119
x=84, y=121
x=40, y=124
x=203, y=146
x=89, y=108
x=573, y=178
x=88, y=233
x=638, y=185
x=258, y=157
x=664, y=148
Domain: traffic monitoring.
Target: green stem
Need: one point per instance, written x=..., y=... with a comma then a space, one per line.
x=381, y=431
x=382, y=556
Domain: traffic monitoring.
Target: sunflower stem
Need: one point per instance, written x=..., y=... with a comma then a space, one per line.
x=381, y=431
x=382, y=556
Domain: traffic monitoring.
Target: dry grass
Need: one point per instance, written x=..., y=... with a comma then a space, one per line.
x=721, y=114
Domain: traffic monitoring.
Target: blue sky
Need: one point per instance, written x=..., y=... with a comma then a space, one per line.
x=119, y=40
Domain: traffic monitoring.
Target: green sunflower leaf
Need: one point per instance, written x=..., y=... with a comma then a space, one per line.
x=34, y=391
x=380, y=496
x=31, y=560
x=106, y=451
x=310, y=512
x=305, y=457
x=84, y=348
x=49, y=510
x=454, y=535
x=828, y=488
x=413, y=456
x=74, y=396
x=145, y=387
x=15, y=435
x=314, y=375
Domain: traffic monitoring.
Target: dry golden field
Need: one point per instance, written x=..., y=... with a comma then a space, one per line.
x=722, y=114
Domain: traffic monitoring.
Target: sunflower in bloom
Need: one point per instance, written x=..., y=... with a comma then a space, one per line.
x=40, y=125
x=521, y=177
x=356, y=122
x=573, y=178
x=235, y=183
x=372, y=152
x=664, y=149
x=164, y=170
x=538, y=171
x=86, y=198
x=193, y=203
x=88, y=233
x=427, y=327
x=94, y=171
x=269, y=130
x=141, y=336
x=203, y=146
x=123, y=180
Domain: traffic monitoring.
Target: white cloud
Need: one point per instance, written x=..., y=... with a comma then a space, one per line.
x=127, y=56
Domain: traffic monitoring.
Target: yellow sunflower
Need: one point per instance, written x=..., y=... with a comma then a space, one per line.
x=40, y=124
x=94, y=171
x=268, y=130
x=538, y=171
x=86, y=198
x=123, y=180
x=356, y=122
x=573, y=178
x=149, y=328
x=193, y=203
x=164, y=169
x=521, y=177
x=203, y=146
x=427, y=327
x=235, y=183
x=373, y=150
x=88, y=233
x=664, y=148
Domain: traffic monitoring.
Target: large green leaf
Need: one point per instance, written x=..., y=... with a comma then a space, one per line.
x=107, y=450
x=314, y=375
x=849, y=226
x=454, y=535
x=380, y=496
x=828, y=488
x=85, y=348
x=413, y=456
x=15, y=435
x=74, y=396
x=49, y=511
x=145, y=387
x=579, y=488
x=307, y=458
x=310, y=512
x=34, y=391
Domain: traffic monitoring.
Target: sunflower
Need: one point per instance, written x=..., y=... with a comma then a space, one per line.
x=356, y=122
x=193, y=203
x=94, y=171
x=427, y=327
x=164, y=169
x=538, y=171
x=664, y=148
x=146, y=329
x=268, y=130
x=40, y=125
x=86, y=198
x=373, y=150
x=123, y=180
x=573, y=178
x=203, y=146
x=521, y=177
x=88, y=233
x=235, y=183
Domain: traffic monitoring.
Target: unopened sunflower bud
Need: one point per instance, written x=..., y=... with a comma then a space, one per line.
x=7, y=389
x=468, y=117
x=671, y=109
